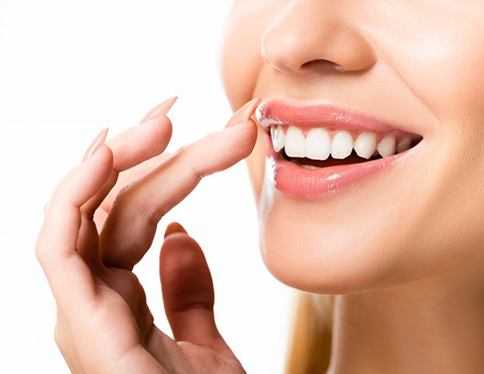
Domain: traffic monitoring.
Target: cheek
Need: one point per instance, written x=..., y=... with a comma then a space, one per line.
x=441, y=63
x=240, y=59
x=446, y=73
x=241, y=64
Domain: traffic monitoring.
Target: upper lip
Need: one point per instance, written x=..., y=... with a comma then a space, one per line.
x=284, y=112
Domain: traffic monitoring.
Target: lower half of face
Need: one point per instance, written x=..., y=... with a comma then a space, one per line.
x=369, y=165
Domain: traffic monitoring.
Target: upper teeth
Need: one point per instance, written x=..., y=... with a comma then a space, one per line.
x=318, y=145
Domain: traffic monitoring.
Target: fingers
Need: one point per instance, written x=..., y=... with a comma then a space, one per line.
x=131, y=226
x=188, y=293
x=144, y=141
x=135, y=145
x=56, y=247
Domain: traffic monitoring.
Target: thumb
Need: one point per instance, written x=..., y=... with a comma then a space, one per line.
x=188, y=293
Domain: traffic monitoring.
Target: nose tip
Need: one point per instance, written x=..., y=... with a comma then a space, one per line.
x=296, y=44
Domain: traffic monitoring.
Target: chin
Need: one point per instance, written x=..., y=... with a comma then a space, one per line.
x=326, y=259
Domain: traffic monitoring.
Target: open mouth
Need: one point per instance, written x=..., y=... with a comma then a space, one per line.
x=321, y=148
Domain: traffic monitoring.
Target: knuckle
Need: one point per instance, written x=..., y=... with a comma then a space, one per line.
x=122, y=196
x=131, y=199
x=186, y=160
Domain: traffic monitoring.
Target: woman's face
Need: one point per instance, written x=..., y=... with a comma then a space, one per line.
x=394, y=70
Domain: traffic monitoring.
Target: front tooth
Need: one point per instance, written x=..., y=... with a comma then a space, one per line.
x=295, y=142
x=278, y=138
x=386, y=146
x=365, y=144
x=342, y=145
x=404, y=144
x=318, y=144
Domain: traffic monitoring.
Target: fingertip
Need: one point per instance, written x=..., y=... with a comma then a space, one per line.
x=87, y=178
x=160, y=110
x=96, y=143
x=140, y=143
x=156, y=134
x=165, y=131
x=101, y=159
x=180, y=254
x=244, y=112
x=174, y=228
x=246, y=136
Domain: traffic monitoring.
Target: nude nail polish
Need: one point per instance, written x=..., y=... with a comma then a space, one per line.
x=243, y=113
x=96, y=143
x=160, y=110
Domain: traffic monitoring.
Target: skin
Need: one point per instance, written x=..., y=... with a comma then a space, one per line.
x=407, y=274
x=100, y=222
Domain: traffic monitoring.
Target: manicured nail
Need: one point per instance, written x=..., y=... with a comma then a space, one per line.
x=96, y=143
x=160, y=110
x=174, y=228
x=243, y=114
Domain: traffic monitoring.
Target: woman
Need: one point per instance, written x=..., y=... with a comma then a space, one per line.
x=365, y=155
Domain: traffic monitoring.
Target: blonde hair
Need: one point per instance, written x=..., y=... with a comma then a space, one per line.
x=309, y=347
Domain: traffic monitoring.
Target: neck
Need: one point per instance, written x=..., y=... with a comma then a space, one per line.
x=429, y=326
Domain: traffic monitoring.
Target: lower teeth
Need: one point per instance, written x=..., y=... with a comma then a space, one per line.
x=314, y=164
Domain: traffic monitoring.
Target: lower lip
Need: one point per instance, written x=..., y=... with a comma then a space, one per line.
x=298, y=182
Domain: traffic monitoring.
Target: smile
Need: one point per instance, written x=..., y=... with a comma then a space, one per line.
x=322, y=149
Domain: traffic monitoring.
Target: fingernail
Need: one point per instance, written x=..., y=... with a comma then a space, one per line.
x=243, y=114
x=96, y=143
x=174, y=228
x=160, y=110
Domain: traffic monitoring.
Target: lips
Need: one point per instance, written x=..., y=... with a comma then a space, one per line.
x=321, y=150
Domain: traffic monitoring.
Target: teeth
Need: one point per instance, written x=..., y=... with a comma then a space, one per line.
x=318, y=144
x=386, y=146
x=365, y=144
x=295, y=142
x=404, y=144
x=342, y=145
x=278, y=138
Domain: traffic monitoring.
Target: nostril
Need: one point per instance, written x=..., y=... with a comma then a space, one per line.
x=321, y=66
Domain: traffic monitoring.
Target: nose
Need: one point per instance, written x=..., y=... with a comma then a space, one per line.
x=310, y=35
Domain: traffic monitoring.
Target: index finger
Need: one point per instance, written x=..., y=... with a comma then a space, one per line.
x=131, y=226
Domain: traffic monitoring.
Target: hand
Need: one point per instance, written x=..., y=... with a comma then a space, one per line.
x=103, y=321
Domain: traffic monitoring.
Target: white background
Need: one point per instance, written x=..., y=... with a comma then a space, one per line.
x=70, y=68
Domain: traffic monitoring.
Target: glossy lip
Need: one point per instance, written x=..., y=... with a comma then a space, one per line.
x=302, y=183
x=310, y=184
x=331, y=117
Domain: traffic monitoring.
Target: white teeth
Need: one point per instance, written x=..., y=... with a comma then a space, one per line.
x=318, y=144
x=295, y=142
x=278, y=138
x=404, y=144
x=365, y=144
x=386, y=146
x=342, y=145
